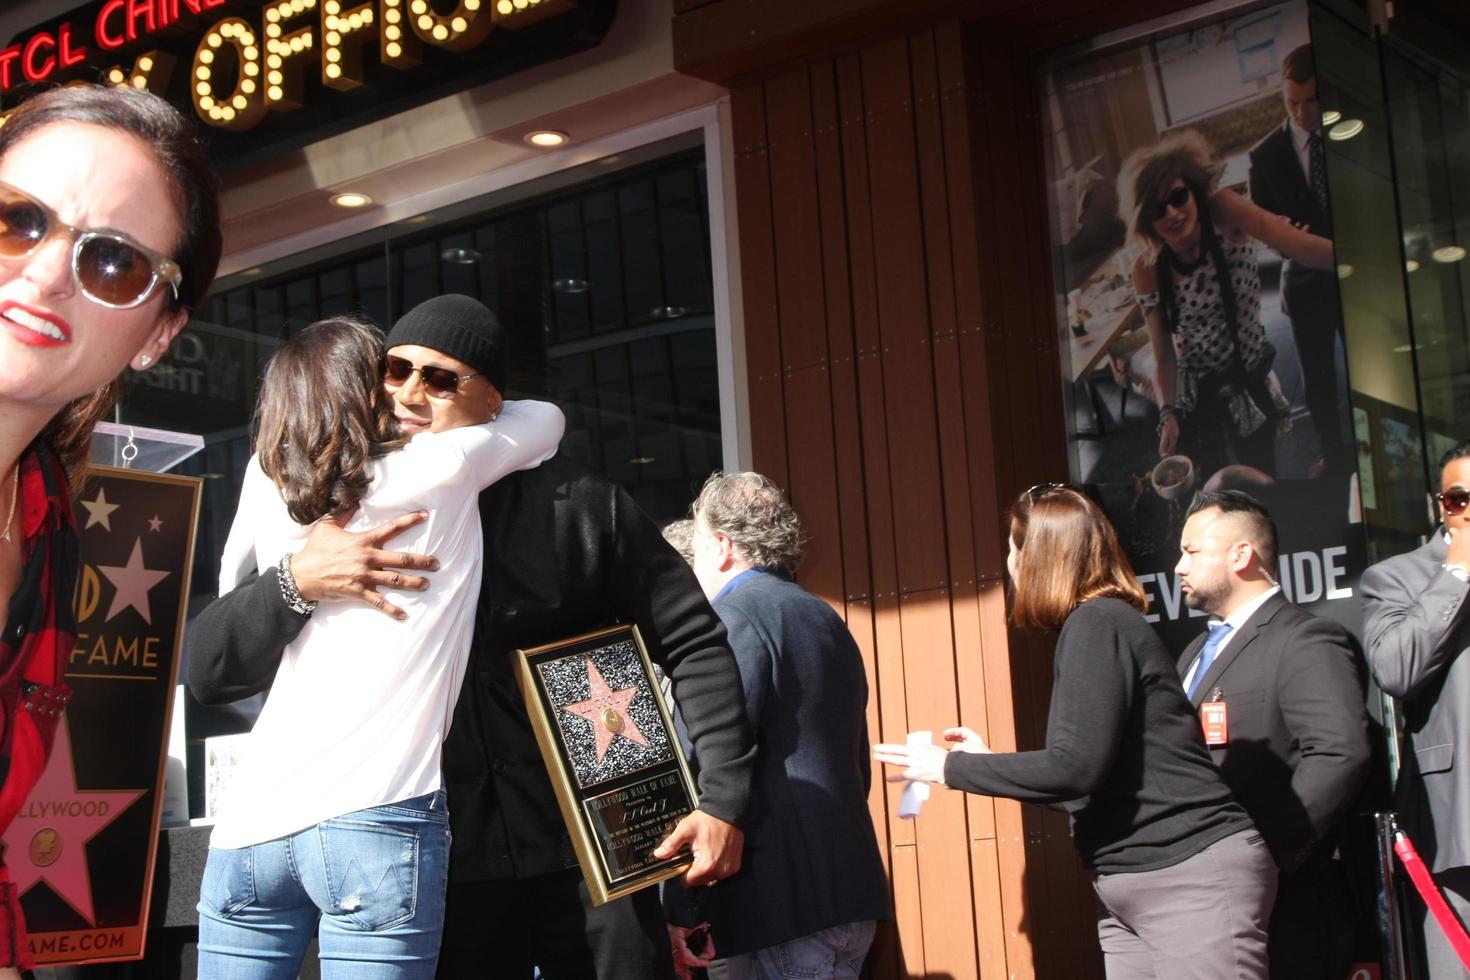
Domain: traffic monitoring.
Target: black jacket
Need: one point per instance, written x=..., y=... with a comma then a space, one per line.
x=566, y=551
x=1298, y=751
x=1278, y=184
x=811, y=856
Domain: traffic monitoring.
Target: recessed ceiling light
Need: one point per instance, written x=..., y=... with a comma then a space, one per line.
x=546, y=138
x=1345, y=130
x=1330, y=116
x=1344, y=270
x=1449, y=253
x=351, y=199
x=460, y=256
x=418, y=219
x=1412, y=265
x=569, y=285
x=667, y=312
x=1405, y=348
x=252, y=271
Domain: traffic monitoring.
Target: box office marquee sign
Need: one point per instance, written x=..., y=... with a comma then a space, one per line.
x=292, y=71
x=81, y=851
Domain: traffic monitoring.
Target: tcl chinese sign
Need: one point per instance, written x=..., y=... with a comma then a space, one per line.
x=298, y=70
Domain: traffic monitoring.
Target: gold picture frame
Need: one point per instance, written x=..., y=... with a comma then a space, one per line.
x=614, y=757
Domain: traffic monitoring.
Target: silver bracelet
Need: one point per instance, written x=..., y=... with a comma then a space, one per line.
x=300, y=606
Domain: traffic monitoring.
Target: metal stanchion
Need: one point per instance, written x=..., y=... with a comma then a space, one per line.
x=1390, y=923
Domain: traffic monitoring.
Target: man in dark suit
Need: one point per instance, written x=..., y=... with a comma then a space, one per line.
x=566, y=552
x=1416, y=627
x=1293, y=740
x=1288, y=176
x=812, y=886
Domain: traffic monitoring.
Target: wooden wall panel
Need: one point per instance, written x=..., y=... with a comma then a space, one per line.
x=903, y=389
x=758, y=282
x=903, y=311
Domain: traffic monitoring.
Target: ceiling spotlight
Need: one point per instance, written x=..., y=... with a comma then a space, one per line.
x=569, y=285
x=1330, y=116
x=460, y=256
x=1345, y=130
x=546, y=138
x=1412, y=265
x=1449, y=253
x=351, y=199
x=667, y=312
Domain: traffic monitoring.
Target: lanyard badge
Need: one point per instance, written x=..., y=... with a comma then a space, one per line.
x=1215, y=719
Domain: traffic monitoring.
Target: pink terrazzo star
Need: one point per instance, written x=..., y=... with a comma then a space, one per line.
x=47, y=840
x=607, y=710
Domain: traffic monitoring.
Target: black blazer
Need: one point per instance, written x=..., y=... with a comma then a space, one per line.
x=1298, y=749
x=1278, y=184
x=811, y=855
x=566, y=552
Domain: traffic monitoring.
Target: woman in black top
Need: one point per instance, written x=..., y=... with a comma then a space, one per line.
x=1185, y=882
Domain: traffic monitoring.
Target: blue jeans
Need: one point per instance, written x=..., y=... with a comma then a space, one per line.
x=832, y=954
x=373, y=880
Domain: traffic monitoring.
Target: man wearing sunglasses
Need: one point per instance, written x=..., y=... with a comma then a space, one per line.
x=566, y=552
x=1416, y=626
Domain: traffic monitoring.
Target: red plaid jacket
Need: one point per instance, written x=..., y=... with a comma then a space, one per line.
x=37, y=639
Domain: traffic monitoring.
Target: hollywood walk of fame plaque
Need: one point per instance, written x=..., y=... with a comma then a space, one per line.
x=615, y=762
x=81, y=850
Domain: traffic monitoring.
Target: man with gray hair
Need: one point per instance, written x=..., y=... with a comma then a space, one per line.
x=812, y=887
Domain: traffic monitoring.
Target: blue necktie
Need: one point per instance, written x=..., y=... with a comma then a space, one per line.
x=1218, y=632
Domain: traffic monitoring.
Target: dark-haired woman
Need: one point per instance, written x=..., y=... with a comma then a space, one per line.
x=109, y=235
x=1184, y=881
x=336, y=821
x=1212, y=359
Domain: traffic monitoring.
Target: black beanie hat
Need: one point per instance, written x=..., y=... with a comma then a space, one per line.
x=461, y=327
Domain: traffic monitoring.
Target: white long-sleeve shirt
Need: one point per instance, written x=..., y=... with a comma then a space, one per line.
x=361, y=703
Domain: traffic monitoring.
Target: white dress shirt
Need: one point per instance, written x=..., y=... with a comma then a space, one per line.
x=361, y=702
x=1235, y=621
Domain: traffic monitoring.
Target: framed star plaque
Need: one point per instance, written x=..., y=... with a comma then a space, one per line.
x=614, y=759
x=81, y=850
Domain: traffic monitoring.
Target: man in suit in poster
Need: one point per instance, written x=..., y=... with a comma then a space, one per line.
x=1281, y=697
x=1288, y=176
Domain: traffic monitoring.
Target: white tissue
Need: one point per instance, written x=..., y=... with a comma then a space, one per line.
x=914, y=793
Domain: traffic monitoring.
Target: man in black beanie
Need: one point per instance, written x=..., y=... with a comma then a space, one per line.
x=566, y=551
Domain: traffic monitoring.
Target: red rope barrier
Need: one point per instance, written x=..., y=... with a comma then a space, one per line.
x=1429, y=891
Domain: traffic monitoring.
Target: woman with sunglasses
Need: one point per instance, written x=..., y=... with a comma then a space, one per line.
x=1212, y=361
x=1184, y=882
x=109, y=235
x=336, y=822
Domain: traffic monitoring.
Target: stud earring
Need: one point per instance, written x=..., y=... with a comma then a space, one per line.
x=146, y=360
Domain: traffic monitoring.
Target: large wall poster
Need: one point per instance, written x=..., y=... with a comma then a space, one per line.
x=1178, y=163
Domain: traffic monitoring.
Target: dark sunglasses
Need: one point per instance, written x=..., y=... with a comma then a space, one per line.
x=1453, y=502
x=1175, y=199
x=110, y=268
x=440, y=381
x=1042, y=489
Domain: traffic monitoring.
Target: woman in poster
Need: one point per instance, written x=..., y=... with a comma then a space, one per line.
x=1197, y=280
x=1185, y=882
x=109, y=235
